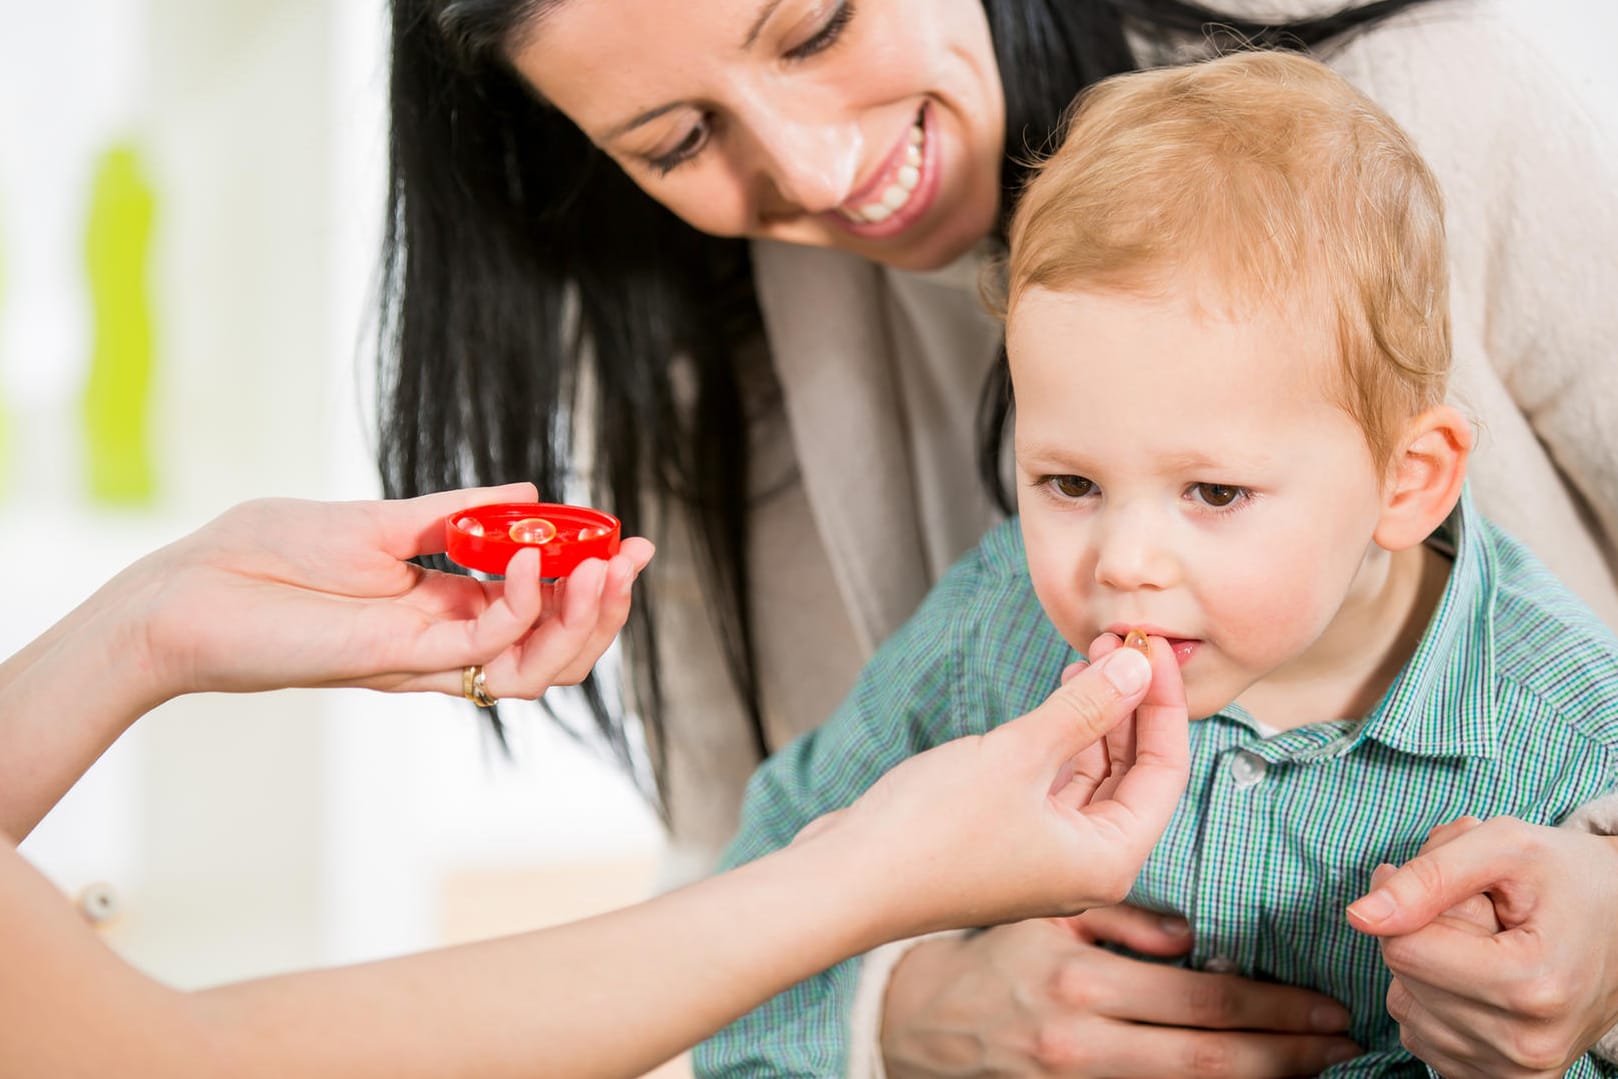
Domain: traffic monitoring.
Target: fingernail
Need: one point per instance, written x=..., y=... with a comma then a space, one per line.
x=1174, y=927
x=1376, y=907
x=1327, y=1018
x=1337, y=1054
x=1127, y=670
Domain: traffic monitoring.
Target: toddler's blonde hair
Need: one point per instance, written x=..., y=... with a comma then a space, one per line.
x=1269, y=172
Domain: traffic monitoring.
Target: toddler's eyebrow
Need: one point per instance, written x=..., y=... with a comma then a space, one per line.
x=1056, y=455
x=1190, y=461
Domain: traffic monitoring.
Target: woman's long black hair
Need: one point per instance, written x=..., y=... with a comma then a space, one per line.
x=528, y=283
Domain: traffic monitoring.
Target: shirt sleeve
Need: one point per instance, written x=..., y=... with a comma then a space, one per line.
x=900, y=706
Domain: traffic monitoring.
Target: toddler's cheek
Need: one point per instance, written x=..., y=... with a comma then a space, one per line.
x=1265, y=622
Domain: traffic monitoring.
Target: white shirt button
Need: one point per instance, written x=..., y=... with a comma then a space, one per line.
x=1247, y=769
x=1220, y=964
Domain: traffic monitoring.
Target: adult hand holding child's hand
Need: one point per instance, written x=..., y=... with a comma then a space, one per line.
x=1499, y=937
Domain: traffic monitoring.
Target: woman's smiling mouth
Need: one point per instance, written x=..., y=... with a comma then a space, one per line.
x=901, y=191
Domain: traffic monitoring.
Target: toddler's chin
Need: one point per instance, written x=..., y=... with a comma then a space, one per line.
x=1202, y=702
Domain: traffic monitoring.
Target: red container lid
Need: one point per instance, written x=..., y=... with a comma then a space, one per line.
x=485, y=537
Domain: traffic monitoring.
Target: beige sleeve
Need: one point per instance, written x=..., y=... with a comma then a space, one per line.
x=807, y=650
x=870, y=996
x=708, y=746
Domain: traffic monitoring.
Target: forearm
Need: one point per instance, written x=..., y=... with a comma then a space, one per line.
x=612, y=996
x=68, y=696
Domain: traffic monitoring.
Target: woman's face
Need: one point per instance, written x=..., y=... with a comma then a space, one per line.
x=872, y=126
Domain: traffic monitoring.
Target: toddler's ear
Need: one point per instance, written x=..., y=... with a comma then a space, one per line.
x=1424, y=478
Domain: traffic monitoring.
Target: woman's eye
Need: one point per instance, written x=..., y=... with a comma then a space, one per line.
x=827, y=35
x=1071, y=486
x=1219, y=495
x=689, y=147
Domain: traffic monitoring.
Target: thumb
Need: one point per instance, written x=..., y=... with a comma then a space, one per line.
x=415, y=526
x=1086, y=706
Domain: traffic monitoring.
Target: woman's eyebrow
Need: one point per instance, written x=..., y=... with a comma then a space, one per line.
x=644, y=118
x=764, y=14
x=649, y=115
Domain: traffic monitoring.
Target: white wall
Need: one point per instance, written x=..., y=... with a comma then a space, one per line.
x=242, y=835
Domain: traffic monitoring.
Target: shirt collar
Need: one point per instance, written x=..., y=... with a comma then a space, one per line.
x=1440, y=704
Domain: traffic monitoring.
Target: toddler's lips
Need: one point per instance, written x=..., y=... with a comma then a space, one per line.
x=1184, y=648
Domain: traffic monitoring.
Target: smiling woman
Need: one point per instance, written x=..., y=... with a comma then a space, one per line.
x=716, y=264
x=873, y=128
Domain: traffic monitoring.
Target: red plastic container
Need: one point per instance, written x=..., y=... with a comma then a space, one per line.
x=486, y=537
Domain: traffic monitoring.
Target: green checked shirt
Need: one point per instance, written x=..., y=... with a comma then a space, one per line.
x=1508, y=706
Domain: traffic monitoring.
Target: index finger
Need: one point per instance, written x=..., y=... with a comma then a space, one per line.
x=1172, y=997
x=1433, y=882
x=1150, y=789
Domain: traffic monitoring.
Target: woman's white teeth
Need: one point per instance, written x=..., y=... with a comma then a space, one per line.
x=896, y=195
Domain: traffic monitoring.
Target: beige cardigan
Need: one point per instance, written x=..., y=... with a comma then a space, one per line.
x=840, y=558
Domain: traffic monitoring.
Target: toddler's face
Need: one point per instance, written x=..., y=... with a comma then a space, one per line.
x=1184, y=471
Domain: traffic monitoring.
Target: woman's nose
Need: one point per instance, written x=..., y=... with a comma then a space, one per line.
x=811, y=168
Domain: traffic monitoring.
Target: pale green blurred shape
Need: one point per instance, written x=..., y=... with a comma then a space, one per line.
x=118, y=390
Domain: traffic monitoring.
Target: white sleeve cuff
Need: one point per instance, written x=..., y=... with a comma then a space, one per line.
x=865, y=1025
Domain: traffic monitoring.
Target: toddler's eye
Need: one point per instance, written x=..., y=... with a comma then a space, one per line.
x=1071, y=486
x=1219, y=495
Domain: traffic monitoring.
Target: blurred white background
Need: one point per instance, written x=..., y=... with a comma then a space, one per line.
x=244, y=835
x=247, y=835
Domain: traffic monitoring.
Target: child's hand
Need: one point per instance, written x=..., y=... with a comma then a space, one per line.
x=291, y=593
x=1032, y=818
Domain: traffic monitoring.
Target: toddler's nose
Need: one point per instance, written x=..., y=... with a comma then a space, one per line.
x=1134, y=556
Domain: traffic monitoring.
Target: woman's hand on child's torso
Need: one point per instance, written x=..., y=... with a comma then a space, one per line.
x=1039, y=998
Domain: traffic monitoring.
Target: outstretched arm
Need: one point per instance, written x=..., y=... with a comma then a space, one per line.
x=614, y=995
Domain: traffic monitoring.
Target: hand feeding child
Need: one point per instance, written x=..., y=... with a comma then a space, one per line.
x=1229, y=345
